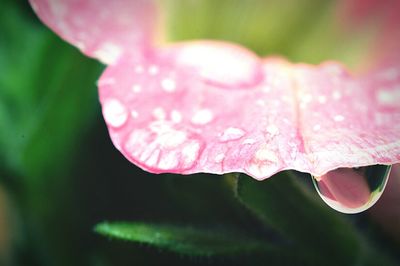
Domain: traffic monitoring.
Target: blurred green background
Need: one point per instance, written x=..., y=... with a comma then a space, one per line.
x=60, y=175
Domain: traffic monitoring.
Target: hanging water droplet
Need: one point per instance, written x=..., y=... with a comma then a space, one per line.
x=352, y=190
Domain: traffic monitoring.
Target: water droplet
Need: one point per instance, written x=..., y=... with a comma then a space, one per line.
x=389, y=97
x=202, y=117
x=153, y=70
x=171, y=139
x=139, y=69
x=265, y=154
x=231, y=133
x=176, y=116
x=136, y=88
x=168, y=85
x=168, y=161
x=317, y=127
x=260, y=102
x=338, y=118
x=115, y=114
x=352, y=190
x=322, y=99
x=108, y=53
x=219, y=158
x=190, y=153
x=273, y=130
x=159, y=113
x=336, y=95
x=134, y=114
x=249, y=141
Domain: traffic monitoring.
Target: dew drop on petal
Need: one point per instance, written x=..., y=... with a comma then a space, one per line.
x=168, y=85
x=219, y=158
x=231, y=133
x=115, y=114
x=176, y=116
x=352, y=190
x=338, y=118
x=190, y=153
x=136, y=88
x=134, y=114
x=202, y=117
x=153, y=70
x=139, y=69
x=273, y=130
x=159, y=113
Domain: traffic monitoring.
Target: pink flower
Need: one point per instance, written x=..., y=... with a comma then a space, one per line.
x=211, y=106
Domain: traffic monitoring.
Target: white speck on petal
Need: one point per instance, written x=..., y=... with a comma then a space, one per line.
x=322, y=99
x=338, y=118
x=108, y=53
x=306, y=98
x=168, y=85
x=153, y=70
x=136, y=88
x=260, y=102
x=387, y=97
x=139, y=69
x=80, y=45
x=264, y=154
x=249, y=141
x=190, y=153
x=171, y=139
x=176, y=116
x=336, y=95
x=317, y=127
x=261, y=170
x=219, y=158
x=168, y=161
x=159, y=113
x=202, y=117
x=273, y=130
x=115, y=114
x=134, y=114
x=153, y=158
x=231, y=133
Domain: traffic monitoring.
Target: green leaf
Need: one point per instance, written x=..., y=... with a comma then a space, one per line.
x=283, y=205
x=47, y=95
x=185, y=240
x=48, y=101
x=187, y=195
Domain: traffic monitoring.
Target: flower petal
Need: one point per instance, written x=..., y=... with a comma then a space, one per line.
x=349, y=121
x=216, y=107
x=100, y=29
x=166, y=116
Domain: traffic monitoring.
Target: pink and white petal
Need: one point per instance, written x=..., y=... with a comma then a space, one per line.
x=165, y=115
x=348, y=121
x=101, y=29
